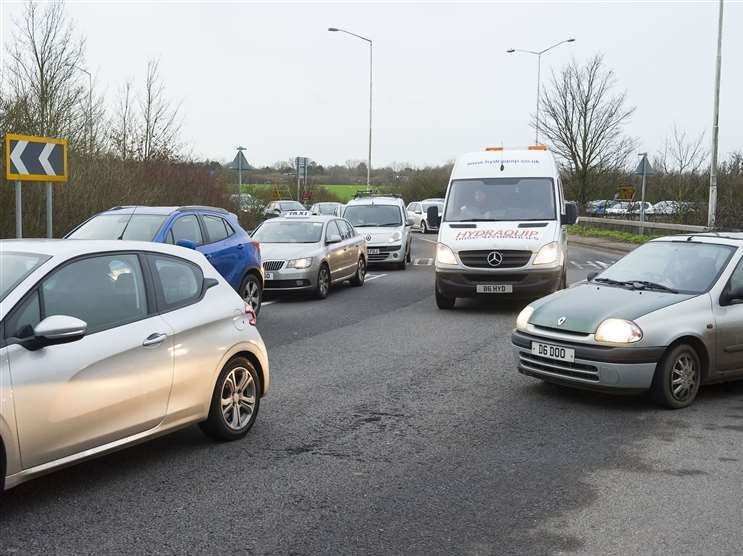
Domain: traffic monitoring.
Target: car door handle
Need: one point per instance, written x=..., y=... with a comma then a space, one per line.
x=154, y=339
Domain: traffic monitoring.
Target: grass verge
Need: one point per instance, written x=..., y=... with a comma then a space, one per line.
x=613, y=235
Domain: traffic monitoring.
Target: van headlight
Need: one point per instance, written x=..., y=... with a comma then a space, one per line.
x=397, y=236
x=548, y=254
x=618, y=331
x=522, y=321
x=445, y=255
x=300, y=263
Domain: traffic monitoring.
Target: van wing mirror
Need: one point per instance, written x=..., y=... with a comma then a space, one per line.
x=433, y=217
x=571, y=213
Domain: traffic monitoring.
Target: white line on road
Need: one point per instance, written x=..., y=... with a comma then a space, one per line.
x=428, y=240
x=423, y=262
x=371, y=277
x=267, y=303
x=603, y=264
x=576, y=264
x=593, y=264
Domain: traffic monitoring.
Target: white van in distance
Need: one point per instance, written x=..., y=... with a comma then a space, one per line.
x=503, y=228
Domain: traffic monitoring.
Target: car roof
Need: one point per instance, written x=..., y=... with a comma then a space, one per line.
x=69, y=248
x=381, y=200
x=164, y=211
x=734, y=239
x=305, y=218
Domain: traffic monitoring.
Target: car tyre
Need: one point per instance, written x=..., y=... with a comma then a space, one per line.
x=444, y=302
x=235, y=401
x=403, y=263
x=424, y=227
x=677, y=377
x=563, y=279
x=360, y=276
x=323, y=282
x=252, y=292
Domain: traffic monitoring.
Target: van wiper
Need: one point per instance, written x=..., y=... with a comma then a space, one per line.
x=652, y=286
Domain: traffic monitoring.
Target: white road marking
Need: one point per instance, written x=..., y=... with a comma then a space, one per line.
x=603, y=264
x=576, y=264
x=267, y=303
x=423, y=262
x=593, y=264
x=428, y=240
x=369, y=278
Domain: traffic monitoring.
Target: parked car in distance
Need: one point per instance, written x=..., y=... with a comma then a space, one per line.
x=665, y=318
x=245, y=202
x=599, y=207
x=418, y=213
x=108, y=343
x=618, y=208
x=214, y=232
x=635, y=206
x=309, y=253
x=278, y=208
x=330, y=209
x=385, y=224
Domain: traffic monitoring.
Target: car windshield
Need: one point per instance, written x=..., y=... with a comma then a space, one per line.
x=369, y=216
x=326, y=208
x=284, y=231
x=14, y=267
x=291, y=205
x=686, y=267
x=501, y=199
x=137, y=227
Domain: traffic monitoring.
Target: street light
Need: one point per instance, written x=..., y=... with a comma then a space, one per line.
x=712, y=208
x=368, y=162
x=90, y=104
x=538, y=54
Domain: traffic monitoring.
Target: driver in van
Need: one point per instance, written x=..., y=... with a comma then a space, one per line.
x=474, y=208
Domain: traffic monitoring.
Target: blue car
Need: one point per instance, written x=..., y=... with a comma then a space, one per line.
x=212, y=231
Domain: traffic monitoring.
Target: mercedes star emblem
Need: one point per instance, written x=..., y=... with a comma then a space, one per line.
x=561, y=321
x=495, y=258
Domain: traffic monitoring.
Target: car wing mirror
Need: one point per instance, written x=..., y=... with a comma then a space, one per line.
x=432, y=215
x=731, y=295
x=56, y=330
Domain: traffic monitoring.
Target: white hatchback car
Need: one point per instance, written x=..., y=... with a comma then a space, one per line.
x=107, y=343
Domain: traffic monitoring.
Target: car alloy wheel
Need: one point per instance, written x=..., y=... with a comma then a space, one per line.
x=424, y=228
x=251, y=293
x=238, y=398
x=684, y=378
x=360, y=276
x=323, y=282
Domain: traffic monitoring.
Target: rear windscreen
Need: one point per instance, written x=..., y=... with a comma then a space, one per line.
x=138, y=227
x=501, y=199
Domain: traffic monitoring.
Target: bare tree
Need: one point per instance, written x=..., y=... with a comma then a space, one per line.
x=583, y=119
x=681, y=154
x=42, y=73
x=122, y=127
x=159, y=126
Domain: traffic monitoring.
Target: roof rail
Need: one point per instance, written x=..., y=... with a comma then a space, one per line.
x=121, y=207
x=202, y=207
x=363, y=194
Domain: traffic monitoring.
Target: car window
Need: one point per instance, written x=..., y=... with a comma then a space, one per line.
x=103, y=291
x=229, y=228
x=214, y=228
x=15, y=267
x=736, y=278
x=136, y=227
x=180, y=281
x=332, y=230
x=22, y=322
x=169, y=237
x=346, y=231
x=187, y=228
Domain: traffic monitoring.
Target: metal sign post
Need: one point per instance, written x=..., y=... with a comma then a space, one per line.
x=301, y=163
x=643, y=169
x=31, y=158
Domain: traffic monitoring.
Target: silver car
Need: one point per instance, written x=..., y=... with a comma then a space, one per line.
x=305, y=252
x=418, y=213
x=666, y=318
x=108, y=343
x=330, y=209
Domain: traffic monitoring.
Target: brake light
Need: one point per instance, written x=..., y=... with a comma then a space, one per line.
x=493, y=149
x=252, y=319
x=537, y=147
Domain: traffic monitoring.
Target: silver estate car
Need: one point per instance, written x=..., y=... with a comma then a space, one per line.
x=665, y=318
x=305, y=252
x=107, y=343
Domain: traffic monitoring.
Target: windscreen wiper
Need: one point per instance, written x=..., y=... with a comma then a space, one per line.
x=610, y=281
x=389, y=224
x=653, y=286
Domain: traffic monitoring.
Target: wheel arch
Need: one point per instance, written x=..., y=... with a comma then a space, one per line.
x=250, y=356
x=255, y=272
x=699, y=346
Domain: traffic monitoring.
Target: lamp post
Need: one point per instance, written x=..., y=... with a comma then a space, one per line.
x=538, y=54
x=368, y=162
x=90, y=105
x=712, y=208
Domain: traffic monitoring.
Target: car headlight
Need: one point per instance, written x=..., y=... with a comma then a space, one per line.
x=300, y=263
x=523, y=319
x=445, y=255
x=395, y=237
x=548, y=254
x=618, y=331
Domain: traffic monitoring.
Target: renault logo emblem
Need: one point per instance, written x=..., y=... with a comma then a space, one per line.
x=561, y=321
x=495, y=258
x=368, y=237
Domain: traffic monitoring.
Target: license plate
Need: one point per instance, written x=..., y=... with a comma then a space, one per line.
x=374, y=251
x=269, y=275
x=494, y=288
x=553, y=352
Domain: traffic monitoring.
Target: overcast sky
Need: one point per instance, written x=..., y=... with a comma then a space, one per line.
x=270, y=77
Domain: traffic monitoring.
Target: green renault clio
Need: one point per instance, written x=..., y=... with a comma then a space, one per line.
x=666, y=318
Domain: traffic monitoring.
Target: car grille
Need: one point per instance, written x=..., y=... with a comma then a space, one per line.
x=538, y=364
x=272, y=265
x=384, y=252
x=498, y=277
x=479, y=259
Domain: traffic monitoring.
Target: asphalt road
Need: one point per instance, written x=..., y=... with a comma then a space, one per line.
x=393, y=427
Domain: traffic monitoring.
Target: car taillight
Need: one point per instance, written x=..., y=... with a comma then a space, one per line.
x=252, y=319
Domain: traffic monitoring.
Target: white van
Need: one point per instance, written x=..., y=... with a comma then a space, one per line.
x=503, y=228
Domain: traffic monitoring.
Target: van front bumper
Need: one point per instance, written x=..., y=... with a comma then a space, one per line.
x=525, y=283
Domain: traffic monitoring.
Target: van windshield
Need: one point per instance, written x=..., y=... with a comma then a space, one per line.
x=501, y=199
